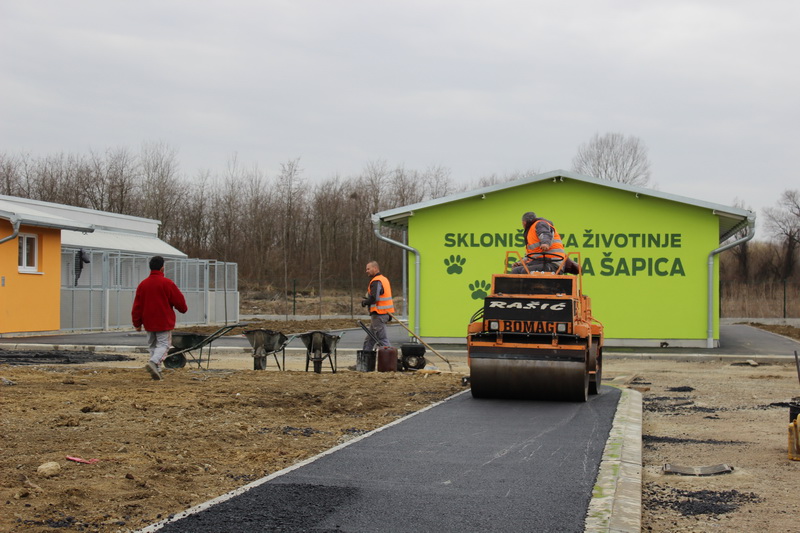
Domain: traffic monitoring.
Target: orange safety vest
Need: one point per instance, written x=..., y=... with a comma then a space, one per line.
x=384, y=304
x=533, y=250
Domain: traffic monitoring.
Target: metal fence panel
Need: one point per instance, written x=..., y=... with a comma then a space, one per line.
x=99, y=294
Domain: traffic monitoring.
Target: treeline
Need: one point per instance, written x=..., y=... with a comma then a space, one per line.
x=282, y=230
x=761, y=278
x=775, y=255
x=285, y=231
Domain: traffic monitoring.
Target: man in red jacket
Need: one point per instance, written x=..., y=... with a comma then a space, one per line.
x=152, y=308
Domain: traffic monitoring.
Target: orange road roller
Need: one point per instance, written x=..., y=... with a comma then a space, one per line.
x=535, y=339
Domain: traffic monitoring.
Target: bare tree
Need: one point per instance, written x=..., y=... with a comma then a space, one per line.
x=193, y=224
x=783, y=222
x=9, y=175
x=122, y=176
x=71, y=170
x=162, y=190
x=329, y=205
x=226, y=216
x=53, y=181
x=437, y=179
x=259, y=239
x=355, y=224
x=291, y=193
x=614, y=157
x=407, y=186
x=52, y=178
x=376, y=176
x=496, y=179
x=742, y=253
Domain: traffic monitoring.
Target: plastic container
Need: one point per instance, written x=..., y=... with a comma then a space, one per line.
x=387, y=359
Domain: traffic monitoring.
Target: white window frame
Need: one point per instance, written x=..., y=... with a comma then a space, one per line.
x=23, y=259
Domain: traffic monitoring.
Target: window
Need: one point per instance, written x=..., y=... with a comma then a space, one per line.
x=28, y=253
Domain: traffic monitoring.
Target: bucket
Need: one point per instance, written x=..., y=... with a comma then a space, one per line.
x=365, y=361
x=794, y=409
x=387, y=359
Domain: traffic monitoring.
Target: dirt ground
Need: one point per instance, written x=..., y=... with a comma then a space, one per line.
x=164, y=446
x=711, y=413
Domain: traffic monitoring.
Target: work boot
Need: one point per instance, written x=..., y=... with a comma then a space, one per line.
x=151, y=367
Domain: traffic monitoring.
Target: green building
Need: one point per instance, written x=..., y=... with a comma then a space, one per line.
x=649, y=259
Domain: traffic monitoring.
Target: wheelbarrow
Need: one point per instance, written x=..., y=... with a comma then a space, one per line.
x=184, y=343
x=320, y=345
x=264, y=343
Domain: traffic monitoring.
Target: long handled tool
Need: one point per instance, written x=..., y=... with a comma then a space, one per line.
x=423, y=342
x=369, y=332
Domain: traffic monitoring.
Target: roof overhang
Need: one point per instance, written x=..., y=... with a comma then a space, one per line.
x=109, y=231
x=31, y=217
x=117, y=241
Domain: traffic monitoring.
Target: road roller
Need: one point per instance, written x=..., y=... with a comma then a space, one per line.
x=535, y=339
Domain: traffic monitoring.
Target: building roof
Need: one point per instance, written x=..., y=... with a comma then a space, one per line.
x=30, y=216
x=90, y=228
x=731, y=219
x=137, y=243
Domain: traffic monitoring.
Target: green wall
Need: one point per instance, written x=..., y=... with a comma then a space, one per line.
x=644, y=258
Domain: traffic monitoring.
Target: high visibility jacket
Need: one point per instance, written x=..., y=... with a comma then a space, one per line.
x=383, y=303
x=533, y=248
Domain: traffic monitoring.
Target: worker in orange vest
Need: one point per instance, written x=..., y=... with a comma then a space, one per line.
x=544, y=250
x=379, y=301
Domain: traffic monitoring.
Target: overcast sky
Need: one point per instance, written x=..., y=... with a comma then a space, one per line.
x=712, y=87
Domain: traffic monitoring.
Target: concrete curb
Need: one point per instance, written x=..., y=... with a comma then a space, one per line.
x=704, y=357
x=616, y=504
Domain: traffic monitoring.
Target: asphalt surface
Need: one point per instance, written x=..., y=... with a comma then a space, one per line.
x=464, y=465
x=734, y=339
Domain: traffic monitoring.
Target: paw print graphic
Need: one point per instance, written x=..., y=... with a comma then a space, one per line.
x=454, y=264
x=479, y=289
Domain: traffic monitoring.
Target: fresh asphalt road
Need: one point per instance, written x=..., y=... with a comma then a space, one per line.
x=463, y=465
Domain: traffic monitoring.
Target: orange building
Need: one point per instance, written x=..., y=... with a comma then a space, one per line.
x=30, y=267
x=66, y=268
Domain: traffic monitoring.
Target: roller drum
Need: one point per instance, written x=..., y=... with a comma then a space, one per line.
x=529, y=379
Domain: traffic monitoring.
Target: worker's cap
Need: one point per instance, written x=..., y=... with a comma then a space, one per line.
x=530, y=216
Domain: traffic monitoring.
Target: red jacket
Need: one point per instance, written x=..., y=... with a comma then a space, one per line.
x=155, y=298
